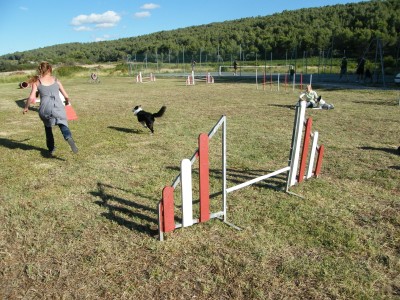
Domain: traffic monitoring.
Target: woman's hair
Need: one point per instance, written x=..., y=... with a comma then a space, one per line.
x=33, y=79
x=44, y=68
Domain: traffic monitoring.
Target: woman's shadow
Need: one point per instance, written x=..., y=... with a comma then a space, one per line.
x=12, y=144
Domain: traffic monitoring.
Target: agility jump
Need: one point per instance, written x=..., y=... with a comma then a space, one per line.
x=191, y=79
x=94, y=78
x=145, y=79
x=24, y=85
x=277, y=80
x=296, y=173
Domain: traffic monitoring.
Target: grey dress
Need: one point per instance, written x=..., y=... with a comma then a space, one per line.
x=51, y=110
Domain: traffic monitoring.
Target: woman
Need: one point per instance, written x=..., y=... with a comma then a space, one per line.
x=313, y=100
x=310, y=96
x=51, y=110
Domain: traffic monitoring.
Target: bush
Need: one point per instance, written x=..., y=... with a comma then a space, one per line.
x=66, y=71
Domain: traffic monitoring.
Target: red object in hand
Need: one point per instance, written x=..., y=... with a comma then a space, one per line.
x=71, y=114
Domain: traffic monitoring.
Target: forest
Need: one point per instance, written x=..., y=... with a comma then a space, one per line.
x=353, y=30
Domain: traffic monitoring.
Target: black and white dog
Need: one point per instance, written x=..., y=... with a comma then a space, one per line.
x=147, y=119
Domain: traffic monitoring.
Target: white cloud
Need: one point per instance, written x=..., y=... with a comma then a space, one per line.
x=23, y=8
x=83, y=28
x=142, y=14
x=105, y=25
x=109, y=17
x=150, y=6
x=103, y=38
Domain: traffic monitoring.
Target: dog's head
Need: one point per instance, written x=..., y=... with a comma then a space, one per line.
x=136, y=109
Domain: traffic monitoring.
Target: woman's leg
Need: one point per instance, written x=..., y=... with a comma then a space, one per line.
x=49, y=138
x=65, y=131
x=68, y=137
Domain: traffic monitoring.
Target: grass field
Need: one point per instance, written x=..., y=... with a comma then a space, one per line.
x=85, y=226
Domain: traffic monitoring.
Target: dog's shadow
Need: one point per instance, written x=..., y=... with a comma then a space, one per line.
x=387, y=150
x=124, y=211
x=12, y=144
x=126, y=130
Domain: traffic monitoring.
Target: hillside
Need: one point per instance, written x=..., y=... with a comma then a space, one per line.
x=351, y=29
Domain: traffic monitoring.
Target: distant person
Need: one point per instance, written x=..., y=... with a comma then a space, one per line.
x=235, y=67
x=291, y=72
x=193, y=64
x=343, y=68
x=360, y=69
x=368, y=76
x=51, y=110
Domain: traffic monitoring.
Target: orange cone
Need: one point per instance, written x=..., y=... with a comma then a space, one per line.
x=71, y=114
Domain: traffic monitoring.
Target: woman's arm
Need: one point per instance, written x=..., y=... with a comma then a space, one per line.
x=63, y=92
x=31, y=98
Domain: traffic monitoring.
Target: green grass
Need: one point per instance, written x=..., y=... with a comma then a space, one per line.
x=85, y=226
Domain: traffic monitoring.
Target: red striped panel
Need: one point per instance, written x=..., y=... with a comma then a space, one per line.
x=319, y=160
x=304, y=154
x=168, y=222
x=204, y=178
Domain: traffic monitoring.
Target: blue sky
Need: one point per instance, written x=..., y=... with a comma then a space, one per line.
x=31, y=24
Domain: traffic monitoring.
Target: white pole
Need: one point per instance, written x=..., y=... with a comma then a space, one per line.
x=297, y=144
x=256, y=79
x=187, y=197
x=224, y=208
x=312, y=155
x=294, y=80
x=278, y=80
x=250, y=182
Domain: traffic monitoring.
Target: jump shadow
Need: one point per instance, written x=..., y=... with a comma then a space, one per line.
x=387, y=150
x=122, y=211
x=284, y=106
x=385, y=103
x=12, y=144
x=21, y=104
x=125, y=130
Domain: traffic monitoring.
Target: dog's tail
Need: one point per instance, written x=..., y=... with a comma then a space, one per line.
x=160, y=112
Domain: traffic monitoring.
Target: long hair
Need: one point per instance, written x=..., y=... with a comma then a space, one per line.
x=33, y=79
x=44, y=68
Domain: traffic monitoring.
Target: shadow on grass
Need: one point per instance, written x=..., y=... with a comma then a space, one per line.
x=385, y=103
x=387, y=150
x=126, y=130
x=236, y=79
x=283, y=106
x=21, y=104
x=11, y=144
x=122, y=211
x=236, y=176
